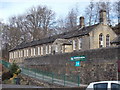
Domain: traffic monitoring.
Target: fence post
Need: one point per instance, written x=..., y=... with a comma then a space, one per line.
x=52, y=77
x=28, y=71
x=35, y=72
x=64, y=79
x=43, y=75
x=78, y=81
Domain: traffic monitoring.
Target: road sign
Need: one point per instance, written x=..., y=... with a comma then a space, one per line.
x=78, y=58
x=77, y=63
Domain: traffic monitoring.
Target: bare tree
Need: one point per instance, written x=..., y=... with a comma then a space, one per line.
x=39, y=21
x=89, y=13
x=106, y=5
x=92, y=11
x=69, y=22
x=72, y=18
x=117, y=9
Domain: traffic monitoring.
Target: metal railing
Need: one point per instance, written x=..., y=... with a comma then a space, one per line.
x=60, y=79
x=6, y=64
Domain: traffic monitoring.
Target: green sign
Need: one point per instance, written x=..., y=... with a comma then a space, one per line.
x=78, y=58
x=77, y=63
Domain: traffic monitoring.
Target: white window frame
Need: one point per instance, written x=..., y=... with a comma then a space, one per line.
x=106, y=40
x=34, y=52
x=56, y=48
x=10, y=55
x=21, y=53
x=38, y=50
x=16, y=54
x=41, y=50
x=80, y=43
x=27, y=52
x=46, y=49
x=31, y=51
x=24, y=52
x=74, y=47
x=50, y=49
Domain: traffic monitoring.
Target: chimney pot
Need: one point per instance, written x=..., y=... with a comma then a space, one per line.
x=82, y=24
x=103, y=17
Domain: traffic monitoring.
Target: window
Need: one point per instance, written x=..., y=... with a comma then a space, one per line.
x=21, y=53
x=38, y=50
x=74, y=45
x=24, y=53
x=16, y=54
x=41, y=50
x=33, y=51
x=100, y=86
x=10, y=55
x=101, y=40
x=27, y=52
x=49, y=49
x=115, y=86
x=107, y=40
x=56, y=48
x=80, y=43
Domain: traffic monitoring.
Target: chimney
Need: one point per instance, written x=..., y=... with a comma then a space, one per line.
x=82, y=24
x=103, y=17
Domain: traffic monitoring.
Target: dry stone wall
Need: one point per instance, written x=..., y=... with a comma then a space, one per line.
x=101, y=64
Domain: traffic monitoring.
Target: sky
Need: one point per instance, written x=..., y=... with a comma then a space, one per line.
x=9, y=8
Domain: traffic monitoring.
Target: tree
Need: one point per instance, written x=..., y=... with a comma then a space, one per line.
x=117, y=9
x=89, y=12
x=35, y=24
x=39, y=21
x=69, y=22
x=92, y=11
x=72, y=18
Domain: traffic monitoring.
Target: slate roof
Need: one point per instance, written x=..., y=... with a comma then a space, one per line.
x=116, y=40
x=75, y=32
x=116, y=29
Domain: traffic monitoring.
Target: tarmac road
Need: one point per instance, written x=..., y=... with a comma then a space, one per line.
x=18, y=86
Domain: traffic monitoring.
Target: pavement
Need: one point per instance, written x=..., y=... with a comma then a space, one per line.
x=18, y=86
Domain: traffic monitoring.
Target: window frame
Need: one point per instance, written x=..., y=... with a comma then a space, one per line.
x=107, y=40
x=114, y=88
x=74, y=43
x=97, y=88
x=80, y=43
x=101, y=43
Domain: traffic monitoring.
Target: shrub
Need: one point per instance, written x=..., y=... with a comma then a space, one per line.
x=13, y=68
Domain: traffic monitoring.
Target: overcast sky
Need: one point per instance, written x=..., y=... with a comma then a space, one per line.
x=10, y=8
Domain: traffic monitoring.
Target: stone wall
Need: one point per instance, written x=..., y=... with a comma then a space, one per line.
x=101, y=64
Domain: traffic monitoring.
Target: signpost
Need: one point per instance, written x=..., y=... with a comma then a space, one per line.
x=77, y=59
x=77, y=63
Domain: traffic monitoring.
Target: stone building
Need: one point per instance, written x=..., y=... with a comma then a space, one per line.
x=116, y=41
x=80, y=38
